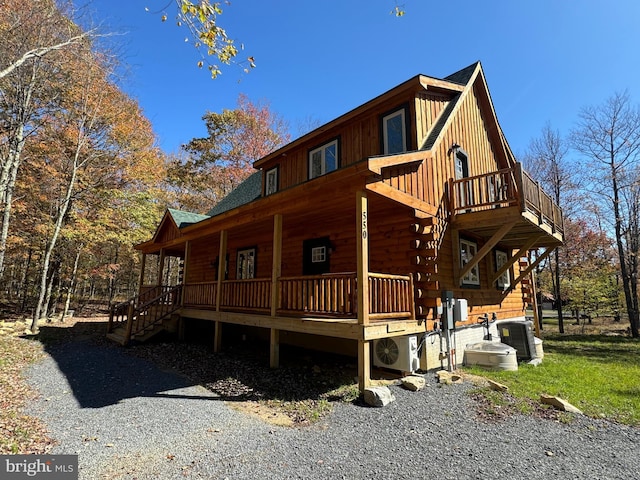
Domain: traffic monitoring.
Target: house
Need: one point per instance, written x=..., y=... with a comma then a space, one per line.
x=354, y=233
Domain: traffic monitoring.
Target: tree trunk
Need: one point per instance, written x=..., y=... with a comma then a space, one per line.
x=72, y=285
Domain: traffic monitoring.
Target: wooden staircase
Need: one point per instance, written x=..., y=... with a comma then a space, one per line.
x=142, y=317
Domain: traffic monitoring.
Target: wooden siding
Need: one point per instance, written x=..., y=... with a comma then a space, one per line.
x=428, y=108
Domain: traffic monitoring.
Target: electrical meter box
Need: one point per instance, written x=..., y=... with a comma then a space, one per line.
x=460, y=313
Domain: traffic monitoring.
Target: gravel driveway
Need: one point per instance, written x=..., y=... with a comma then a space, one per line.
x=127, y=419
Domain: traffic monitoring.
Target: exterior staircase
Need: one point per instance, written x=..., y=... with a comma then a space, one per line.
x=143, y=316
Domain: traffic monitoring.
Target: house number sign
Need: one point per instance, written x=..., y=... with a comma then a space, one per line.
x=364, y=225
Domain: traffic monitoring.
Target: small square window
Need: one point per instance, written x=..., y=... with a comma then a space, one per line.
x=318, y=254
x=271, y=181
x=468, y=250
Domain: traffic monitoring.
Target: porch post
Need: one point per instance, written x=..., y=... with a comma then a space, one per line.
x=161, y=267
x=143, y=266
x=362, y=254
x=276, y=269
x=183, y=281
x=222, y=267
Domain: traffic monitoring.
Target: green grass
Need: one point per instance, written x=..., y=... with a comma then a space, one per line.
x=599, y=374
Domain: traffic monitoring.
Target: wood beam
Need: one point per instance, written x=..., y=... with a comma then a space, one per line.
x=161, y=266
x=515, y=258
x=143, y=266
x=274, y=348
x=185, y=266
x=530, y=268
x=276, y=267
x=362, y=256
x=403, y=198
x=222, y=267
x=486, y=248
x=364, y=364
x=376, y=164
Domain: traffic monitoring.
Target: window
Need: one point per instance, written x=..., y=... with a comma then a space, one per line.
x=323, y=159
x=319, y=254
x=504, y=280
x=468, y=250
x=246, y=264
x=394, y=132
x=271, y=181
x=316, y=255
x=462, y=164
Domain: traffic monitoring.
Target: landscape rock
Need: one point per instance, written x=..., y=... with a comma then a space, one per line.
x=448, y=378
x=498, y=387
x=378, y=396
x=413, y=383
x=559, y=404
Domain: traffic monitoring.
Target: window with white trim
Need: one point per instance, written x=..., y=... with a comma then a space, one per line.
x=271, y=181
x=468, y=250
x=323, y=159
x=319, y=254
x=394, y=132
x=504, y=280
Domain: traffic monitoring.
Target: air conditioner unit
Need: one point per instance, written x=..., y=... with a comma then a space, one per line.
x=519, y=335
x=397, y=353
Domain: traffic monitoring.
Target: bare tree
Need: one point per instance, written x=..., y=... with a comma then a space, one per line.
x=608, y=136
x=547, y=159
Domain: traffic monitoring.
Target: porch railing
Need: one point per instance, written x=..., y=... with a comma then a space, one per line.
x=331, y=295
x=504, y=188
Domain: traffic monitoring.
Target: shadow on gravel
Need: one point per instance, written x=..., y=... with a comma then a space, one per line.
x=101, y=374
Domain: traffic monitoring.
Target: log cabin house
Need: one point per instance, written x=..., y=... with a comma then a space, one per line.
x=354, y=232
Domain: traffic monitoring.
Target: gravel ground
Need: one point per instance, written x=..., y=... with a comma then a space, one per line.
x=127, y=419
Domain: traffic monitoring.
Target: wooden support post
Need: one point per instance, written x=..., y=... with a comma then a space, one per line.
x=143, y=264
x=274, y=348
x=127, y=335
x=161, y=267
x=364, y=364
x=537, y=321
x=222, y=267
x=185, y=266
x=362, y=253
x=277, y=263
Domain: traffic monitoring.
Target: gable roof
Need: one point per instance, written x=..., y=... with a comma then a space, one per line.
x=463, y=76
x=246, y=192
x=184, y=219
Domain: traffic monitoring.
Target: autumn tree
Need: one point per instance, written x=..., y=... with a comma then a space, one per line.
x=547, y=159
x=221, y=161
x=608, y=137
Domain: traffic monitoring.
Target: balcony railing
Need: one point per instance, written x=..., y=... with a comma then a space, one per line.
x=330, y=295
x=505, y=188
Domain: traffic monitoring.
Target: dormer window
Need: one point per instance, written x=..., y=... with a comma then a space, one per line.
x=394, y=132
x=271, y=181
x=324, y=159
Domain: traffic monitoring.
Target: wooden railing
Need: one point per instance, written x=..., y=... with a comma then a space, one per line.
x=390, y=296
x=508, y=187
x=332, y=294
x=201, y=294
x=137, y=316
x=251, y=295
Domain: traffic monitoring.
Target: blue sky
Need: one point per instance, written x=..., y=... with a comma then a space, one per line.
x=543, y=59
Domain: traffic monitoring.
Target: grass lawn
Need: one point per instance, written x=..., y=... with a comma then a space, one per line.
x=598, y=373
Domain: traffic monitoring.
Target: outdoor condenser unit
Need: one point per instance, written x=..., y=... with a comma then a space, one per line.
x=519, y=335
x=397, y=353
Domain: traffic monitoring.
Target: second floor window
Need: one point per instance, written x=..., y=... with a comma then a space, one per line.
x=394, y=132
x=323, y=159
x=271, y=181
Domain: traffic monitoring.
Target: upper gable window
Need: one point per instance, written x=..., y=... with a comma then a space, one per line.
x=323, y=159
x=271, y=181
x=394, y=132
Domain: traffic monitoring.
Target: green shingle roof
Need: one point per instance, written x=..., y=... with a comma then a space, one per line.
x=184, y=219
x=246, y=192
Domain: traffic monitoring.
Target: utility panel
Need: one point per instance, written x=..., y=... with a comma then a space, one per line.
x=460, y=313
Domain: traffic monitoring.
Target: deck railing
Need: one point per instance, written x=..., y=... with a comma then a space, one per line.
x=507, y=187
x=330, y=295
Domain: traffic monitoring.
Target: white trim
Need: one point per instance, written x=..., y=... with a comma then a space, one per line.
x=385, y=131
x=471, y=250
x=271, y=173
x=322, y=151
